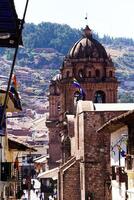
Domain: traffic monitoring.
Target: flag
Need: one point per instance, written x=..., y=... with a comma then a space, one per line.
x=16, y=163
x=80, y=91
x=76, y=83
x=14, y=81
x=123, y=153
x=15, y=95
x=82, y=94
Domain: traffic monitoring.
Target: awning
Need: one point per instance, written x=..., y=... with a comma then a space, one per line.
x=16, y=144
x=52, y=173
x=41, y=159
x=9, y=24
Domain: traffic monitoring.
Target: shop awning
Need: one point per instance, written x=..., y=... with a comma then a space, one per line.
x=52, y=173
x=41, y=159
x=9, y=24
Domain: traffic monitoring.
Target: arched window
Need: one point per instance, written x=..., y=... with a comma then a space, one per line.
x=80, y=73
x=68, y=74
x=79, y=95
x=110, y=74
x=58, y=106
x=97, y=73
x=99, y=97
x=89, y=74
x=66, y=148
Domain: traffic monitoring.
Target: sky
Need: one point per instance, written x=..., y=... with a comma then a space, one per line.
x=109, y=17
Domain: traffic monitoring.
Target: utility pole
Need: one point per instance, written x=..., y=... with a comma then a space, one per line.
x=29, y=178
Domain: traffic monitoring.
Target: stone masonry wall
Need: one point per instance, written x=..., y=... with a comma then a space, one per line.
x=97, y=155
x=55, y=151
x=71, y=183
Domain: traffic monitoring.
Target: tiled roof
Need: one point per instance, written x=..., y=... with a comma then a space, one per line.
x=15, y=143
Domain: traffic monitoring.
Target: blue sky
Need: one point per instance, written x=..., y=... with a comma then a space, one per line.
x=110, y=17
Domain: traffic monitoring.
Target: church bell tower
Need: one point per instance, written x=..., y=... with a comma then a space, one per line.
x=88, y=63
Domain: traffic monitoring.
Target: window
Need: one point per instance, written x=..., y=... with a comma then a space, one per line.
x=97, y=72
x=89, y=74
x=68, y=74
x=80, y=73
x=58, y=107
x=23, y=158
x=110, y=74
x=99, y=97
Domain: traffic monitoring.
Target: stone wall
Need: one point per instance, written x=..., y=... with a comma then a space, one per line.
x=55, y=151
x=70, y=182
x=93, y=150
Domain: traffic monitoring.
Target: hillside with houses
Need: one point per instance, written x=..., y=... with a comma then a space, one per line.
x=37, y=65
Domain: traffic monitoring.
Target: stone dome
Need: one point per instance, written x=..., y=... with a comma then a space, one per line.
x=87, y=47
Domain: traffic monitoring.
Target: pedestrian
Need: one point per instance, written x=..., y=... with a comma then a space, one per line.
x=37, y=192
x=50, y=197
x=41, y=198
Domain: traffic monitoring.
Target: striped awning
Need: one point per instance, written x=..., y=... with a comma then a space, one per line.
x=9, y=24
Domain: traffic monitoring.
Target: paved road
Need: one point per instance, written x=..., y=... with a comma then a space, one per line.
x=33, y=195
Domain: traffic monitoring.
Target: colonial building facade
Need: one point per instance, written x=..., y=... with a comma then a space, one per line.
x=82, y=98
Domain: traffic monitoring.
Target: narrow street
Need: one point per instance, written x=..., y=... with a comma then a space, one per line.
x=33, y=195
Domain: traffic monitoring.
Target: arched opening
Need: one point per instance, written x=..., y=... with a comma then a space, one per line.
x=100, y=97
x=58, y=106
x=79, y=95
x=80, y=74
x=89, y=74
x=110, y=74
x=97, y=73
x=66, y=148
x=68, y=74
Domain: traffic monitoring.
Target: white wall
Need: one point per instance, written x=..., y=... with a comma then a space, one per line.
x=115, y=138
x=118, y=189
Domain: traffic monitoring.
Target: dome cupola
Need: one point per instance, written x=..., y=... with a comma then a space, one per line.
x=87, y=47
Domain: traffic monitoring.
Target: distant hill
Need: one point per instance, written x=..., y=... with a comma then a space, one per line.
x=46, y=44
x=62, y=37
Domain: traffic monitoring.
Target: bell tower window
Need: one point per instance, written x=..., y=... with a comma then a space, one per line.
x=68, y=74
x=110, y=74
x=58, y=106
x=80, y=73
x=99, y=97
x=97, y=73
x=89, y=74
